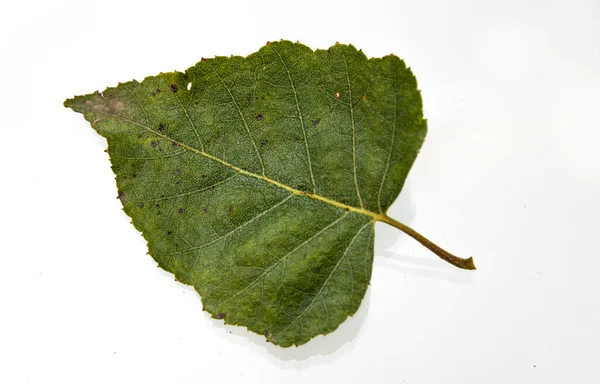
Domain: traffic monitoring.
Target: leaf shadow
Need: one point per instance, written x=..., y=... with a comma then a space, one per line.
x=321, y=349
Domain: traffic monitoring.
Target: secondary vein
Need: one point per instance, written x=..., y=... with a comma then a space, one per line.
x=312, y=177
x=353, y=132
x=242, y=118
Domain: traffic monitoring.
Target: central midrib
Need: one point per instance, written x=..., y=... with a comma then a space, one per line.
x=314, y=196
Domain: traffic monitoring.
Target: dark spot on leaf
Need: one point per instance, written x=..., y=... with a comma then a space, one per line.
x=157, y=205
x=221, y=315
x=161, y=127
x=347, y=209
x=264, y=142
x=178, y=182
x=140, y=135
x=316, y=122
x=169, y=233
x=156, y=92
x=203, y=176
x=173, y=88
x=205, y=209
x=133, y=175
x=140, y=205
x=180, y=211
x=230, y=210
x=259, y=117
x=249, y=98
x=121, y=196
x=158, y=213
x=154, y=143
x=266, y=333
x=177, y=172
x=100, y=95
x=174, y=144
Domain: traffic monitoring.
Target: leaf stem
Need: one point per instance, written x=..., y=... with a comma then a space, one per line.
x=441, y=253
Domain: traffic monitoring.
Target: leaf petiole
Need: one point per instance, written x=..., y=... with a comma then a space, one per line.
x=441, y=253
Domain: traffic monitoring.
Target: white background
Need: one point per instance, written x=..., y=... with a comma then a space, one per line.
x=509, y=173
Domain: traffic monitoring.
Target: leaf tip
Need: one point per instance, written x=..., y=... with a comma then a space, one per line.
x=68, y=103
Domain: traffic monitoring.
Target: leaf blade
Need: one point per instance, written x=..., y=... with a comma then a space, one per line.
x=240, y=167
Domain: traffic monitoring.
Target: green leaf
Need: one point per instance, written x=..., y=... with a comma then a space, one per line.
x=258, y=180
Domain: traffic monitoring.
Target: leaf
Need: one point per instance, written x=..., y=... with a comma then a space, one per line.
x=258, y=180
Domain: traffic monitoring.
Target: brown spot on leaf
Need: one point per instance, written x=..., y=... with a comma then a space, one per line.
x=230, y=209
x=316, y=122
x=174, y=145
x=337, y=95
x=180, y=211
x=154, y=143
x=156, y=92
x=140, y=205
x=220, y=315
x=205, y=209
x=264, y=142
x=249, y=98
x=121, y=196
x=117, y=105
x=161, y=127
x=97, y=106
x=173, y=88
x=259, y=117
